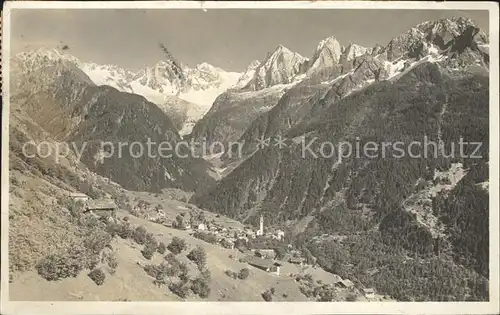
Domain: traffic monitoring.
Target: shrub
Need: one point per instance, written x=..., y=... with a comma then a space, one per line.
x=308, y=292
x=151, y=270
x=231, y=274
x=55, y=267
x=139, y=235
x=150, y=239
x=96, y=240
x=157, y=271
x=244, y=273
x=161, y=248
x=351, y=298
x=175, y=267
x=280, y=253
x=124, y=230
x=326, y=295
x=177, y=245
x=205, y=274
x=199, y=256
x=207, y=237
x=272, y=290
x=170, y=258
x=75, y=208
x=285, y=295
x=267, y=296
x=97, y=275
x=200, y=286
x=180, y=288
x=112, y=262
x=308, y=277
x=148, y=251
x=178, y=223
x=89, y=222
x=112, y=228
x=183, y=271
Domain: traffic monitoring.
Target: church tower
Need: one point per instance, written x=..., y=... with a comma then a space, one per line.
x=261, y=226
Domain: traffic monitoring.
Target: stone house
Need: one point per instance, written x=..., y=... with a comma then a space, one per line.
x=346, y=283
x=267, y=265
x=369, y=293
x=265, y=253
x=297, y=261
x=79, y=197
x=102, y=208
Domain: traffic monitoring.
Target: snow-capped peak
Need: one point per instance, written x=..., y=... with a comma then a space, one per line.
x=280, y=67
x=253, y=65
x=247, y=75
x=327, y=54
x=206, y=67
x=283, y=52
x=352, y=51
x=454, y=25
x=329, y=42
x=158, y=83
x=45, y=55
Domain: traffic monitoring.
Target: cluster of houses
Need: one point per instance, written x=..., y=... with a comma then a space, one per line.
x=264, y=259
x=226, y=236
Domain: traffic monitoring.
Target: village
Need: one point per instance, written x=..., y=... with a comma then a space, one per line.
x=249, y=242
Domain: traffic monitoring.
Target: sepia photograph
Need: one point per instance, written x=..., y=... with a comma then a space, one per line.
x=336, y=153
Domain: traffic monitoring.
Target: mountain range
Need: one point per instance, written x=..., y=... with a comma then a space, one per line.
x=182, y=92
x=431, y=81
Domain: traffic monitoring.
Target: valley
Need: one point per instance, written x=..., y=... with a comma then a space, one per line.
x=268, y=223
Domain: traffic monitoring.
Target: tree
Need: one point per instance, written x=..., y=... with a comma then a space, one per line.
x=179, y=222
x=148, y=250
x=177, y=245
x=55, y=267
x=97, y=275
x=201, y=287
x=199, y=256
x=161, y=248
x=280, y=253
x=310, y=259
x=139, y=235
x=240, y=244
x=180, y=288
x=267, y=296
x=244, y=273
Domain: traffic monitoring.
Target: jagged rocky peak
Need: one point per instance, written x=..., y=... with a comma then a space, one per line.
x=448, y=29
x=164, y=73
x=253, y=65
x=280, y=67
x=204, y=72
x=375, y=50
x=206, y=67
x=455, y=33
x=247, y=75
x=352, y=51
x=43, y=56
x=327, y=53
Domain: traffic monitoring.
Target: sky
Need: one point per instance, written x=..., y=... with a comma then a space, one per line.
x=229, y=38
